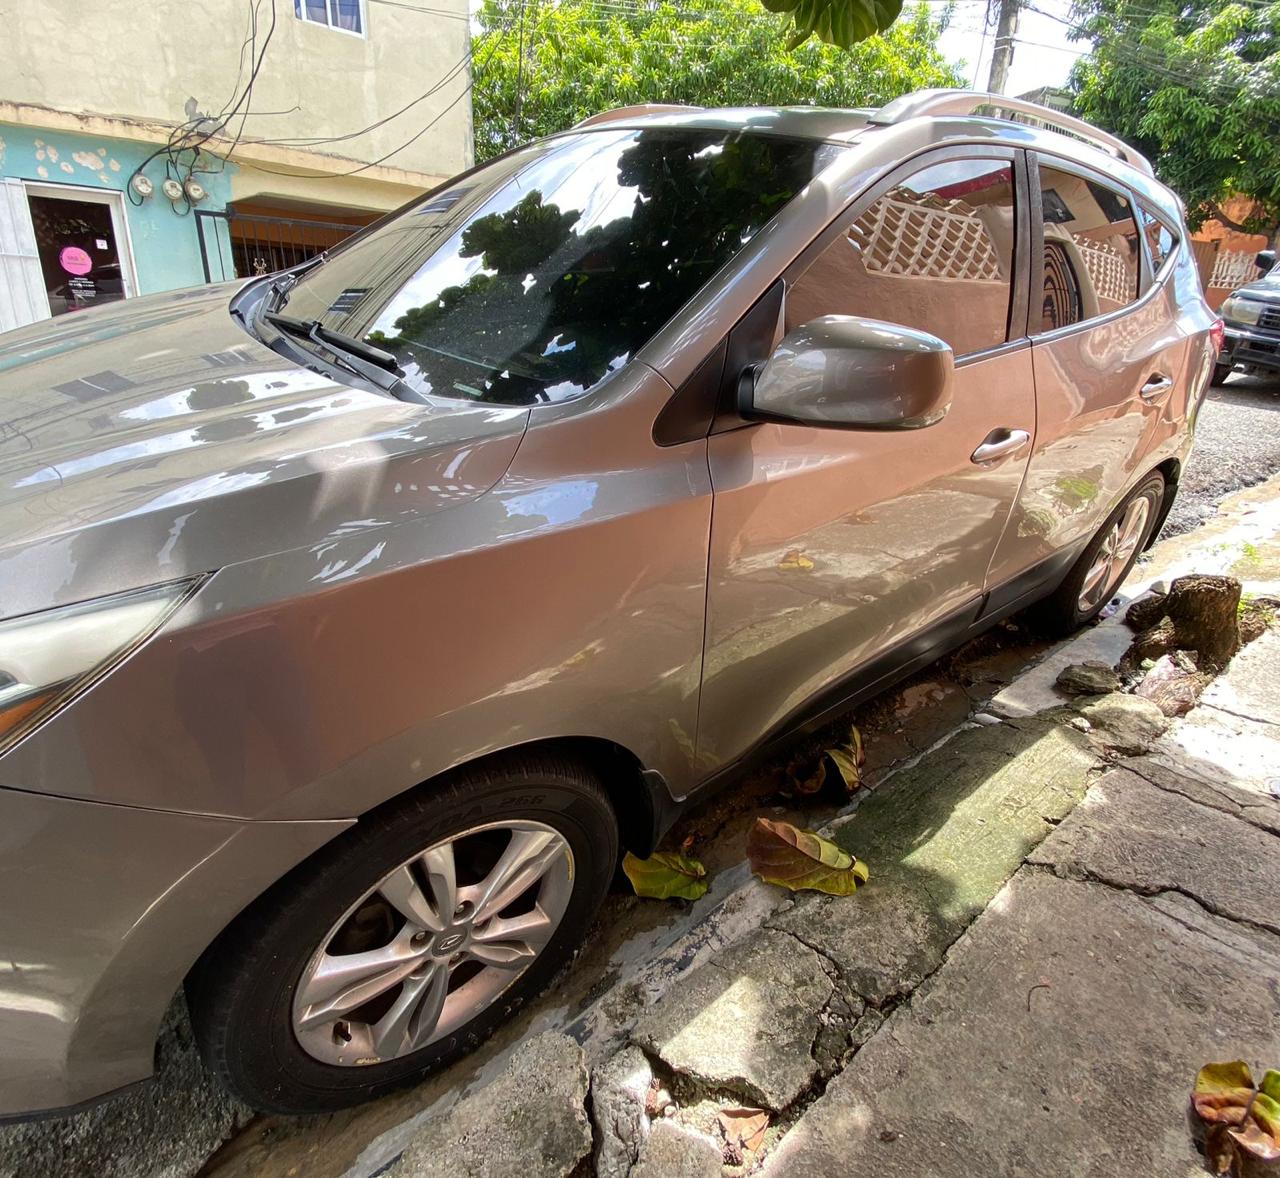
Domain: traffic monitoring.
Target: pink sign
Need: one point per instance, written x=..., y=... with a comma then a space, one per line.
x=74, y=260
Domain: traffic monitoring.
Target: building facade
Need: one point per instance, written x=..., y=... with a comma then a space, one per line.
x=188, y=141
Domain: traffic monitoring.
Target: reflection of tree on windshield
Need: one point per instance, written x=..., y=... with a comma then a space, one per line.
x=560, y=302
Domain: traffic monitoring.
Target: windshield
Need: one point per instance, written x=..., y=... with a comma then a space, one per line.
x=531, y=279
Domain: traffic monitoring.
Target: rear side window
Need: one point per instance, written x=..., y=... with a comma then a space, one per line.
x=1161, y=240
x=1091, y=249
x=935, y=253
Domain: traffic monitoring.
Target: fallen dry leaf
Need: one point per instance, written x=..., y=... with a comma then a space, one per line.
x=743, y=1128
x=796, y=859
x=1239, y=1117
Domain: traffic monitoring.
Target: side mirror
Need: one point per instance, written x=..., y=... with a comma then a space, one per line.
x=1265, y=260
x=851, y=373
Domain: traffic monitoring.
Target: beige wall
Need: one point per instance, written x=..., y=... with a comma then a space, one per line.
x=140, y=63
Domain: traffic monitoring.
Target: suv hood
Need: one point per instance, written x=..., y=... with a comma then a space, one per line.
x=1265, y=290
x=156, y=438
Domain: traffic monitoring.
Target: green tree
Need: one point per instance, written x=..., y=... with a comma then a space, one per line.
x=1195, y=86
x=563, y=60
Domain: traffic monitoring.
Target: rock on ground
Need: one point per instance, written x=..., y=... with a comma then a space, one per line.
x=673, y=1151
x=1123, y=723
x=1088, y=679
x=529, y=1123
x=746, y=1021
x=1062, y=1038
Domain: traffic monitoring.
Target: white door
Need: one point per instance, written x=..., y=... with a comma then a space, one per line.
x=22, y=297
x=70, y=251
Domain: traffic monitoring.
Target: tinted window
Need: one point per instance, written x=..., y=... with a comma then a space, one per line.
x=533, y=278
x=1160, y=238
x=935, y=253
x=1090, y=249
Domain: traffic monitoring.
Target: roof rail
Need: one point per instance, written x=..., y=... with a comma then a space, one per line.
x=971, y=102
x=630, y=112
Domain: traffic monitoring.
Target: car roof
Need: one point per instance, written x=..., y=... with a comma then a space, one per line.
x=960, y=112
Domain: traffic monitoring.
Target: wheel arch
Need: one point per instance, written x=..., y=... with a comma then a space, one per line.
x=641, y=799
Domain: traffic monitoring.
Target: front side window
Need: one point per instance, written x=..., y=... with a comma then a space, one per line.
x=337, y=14
x=533, y=278
x=935, y=253
x=1091, y=249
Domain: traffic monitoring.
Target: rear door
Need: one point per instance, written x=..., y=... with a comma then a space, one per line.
x=834, y=549
x=1108, y=357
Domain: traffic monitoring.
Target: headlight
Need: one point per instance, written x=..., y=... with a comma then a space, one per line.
x=49, y=658
x=1241, y=310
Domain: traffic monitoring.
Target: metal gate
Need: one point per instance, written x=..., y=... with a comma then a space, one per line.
x=245, y=245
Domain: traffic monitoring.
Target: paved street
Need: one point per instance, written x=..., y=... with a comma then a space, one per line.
x=1237, y=445
x=972, y=845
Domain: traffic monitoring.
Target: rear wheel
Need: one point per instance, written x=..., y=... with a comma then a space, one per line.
x=1220, y=374
x=1104, y=564
x=408, y=941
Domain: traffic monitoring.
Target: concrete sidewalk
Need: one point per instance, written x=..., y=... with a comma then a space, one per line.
x=1137, y=942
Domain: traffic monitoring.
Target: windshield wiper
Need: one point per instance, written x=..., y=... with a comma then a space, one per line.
x=335, y=341
x=286, y=282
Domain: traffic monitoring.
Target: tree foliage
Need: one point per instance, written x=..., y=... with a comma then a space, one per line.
x=1195, y=86
x=584, y=56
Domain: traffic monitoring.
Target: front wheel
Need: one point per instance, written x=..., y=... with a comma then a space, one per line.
x=1104, y=564
x=408, y=941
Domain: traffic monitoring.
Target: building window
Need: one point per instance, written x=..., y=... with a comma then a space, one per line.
x=346, y=15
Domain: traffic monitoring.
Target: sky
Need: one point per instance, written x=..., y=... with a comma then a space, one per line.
x=1042, y=56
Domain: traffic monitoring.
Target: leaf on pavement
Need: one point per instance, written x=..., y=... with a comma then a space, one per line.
x=848, y=758
x=663, y=876
x=796, y=859
x=1240, y=1117
x=743, y=1128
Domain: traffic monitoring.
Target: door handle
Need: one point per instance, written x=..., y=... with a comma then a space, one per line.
x=999, y=443
x=1157, y=386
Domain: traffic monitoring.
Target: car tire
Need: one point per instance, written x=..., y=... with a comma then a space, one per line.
x=265, y=1019
x=1104, y=564
x=1220, y=374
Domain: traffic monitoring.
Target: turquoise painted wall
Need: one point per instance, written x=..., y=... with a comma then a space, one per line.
x=166, y=249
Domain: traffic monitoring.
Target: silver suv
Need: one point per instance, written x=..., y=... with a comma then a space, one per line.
x=353, y=618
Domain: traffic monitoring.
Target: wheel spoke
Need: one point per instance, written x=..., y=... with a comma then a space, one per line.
x=432, y=911
x=1135, y=521
x=513, y=955
x=1095, y=577
x=414, y=1014
x=342, y=982
x=511, y=942
x=528, y=857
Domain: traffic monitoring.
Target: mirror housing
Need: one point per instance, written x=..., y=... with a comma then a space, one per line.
x=1265, y=260
x=845, y=372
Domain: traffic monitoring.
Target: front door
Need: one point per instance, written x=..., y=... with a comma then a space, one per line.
x=80, y=242
x=832, y=547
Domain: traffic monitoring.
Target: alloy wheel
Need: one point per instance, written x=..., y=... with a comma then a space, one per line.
x=1112, y=558
x=433, y=943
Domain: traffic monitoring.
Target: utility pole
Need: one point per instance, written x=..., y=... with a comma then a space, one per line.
x=1002, y=51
